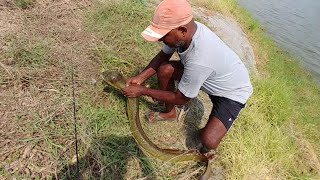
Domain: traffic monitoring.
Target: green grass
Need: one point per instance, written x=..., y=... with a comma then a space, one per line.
x=107, y=134
x=120, y=26
x=23, y=4
x=108, y=146
x=269, y=139
x=29, y=52
x=265, y=142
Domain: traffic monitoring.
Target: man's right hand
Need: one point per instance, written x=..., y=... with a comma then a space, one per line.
x=134, y=80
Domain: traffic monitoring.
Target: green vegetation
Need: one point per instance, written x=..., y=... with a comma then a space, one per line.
x=120, y=26
x=281, y=119
x=107, y=134
x=31, y=52
x=276, y=137
x=23, y=4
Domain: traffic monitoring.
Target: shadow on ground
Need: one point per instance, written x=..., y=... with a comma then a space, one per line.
x=192, y=122
x=108, y=158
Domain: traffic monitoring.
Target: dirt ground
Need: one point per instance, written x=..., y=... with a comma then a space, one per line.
x=40, y=47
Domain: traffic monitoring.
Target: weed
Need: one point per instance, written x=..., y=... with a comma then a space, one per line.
x=29, y=52
x=120, y=25
x=23, y=4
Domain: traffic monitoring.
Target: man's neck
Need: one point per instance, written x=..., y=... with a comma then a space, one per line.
x=193, y=30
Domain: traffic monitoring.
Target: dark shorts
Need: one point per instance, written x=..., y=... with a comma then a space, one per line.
x=226, y=110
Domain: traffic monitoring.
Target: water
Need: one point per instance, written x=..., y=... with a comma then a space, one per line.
x=294, y=25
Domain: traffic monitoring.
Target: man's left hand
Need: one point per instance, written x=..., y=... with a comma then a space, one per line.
x=133, y=90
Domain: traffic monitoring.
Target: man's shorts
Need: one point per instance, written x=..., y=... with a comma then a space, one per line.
x=225, y=109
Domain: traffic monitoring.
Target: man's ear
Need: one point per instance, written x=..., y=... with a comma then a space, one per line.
x=183, y=29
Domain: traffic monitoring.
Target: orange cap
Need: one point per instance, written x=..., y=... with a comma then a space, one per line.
x=168, y=15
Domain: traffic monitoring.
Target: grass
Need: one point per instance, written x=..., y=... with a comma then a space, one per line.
x=31, y=52
x=23, y=4
x=276, y=137
x=36, y=134
x=122, y=49
x=120, y=27
x=265, y=143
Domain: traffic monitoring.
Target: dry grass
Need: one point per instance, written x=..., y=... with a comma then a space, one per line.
x=40, y=46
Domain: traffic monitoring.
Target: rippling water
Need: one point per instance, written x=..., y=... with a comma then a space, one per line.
x=294, y=25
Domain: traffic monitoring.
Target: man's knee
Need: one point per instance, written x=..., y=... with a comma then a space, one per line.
x=165, y=70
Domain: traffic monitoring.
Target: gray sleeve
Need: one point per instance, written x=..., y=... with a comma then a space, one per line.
x=168, y=50
x=193, y=78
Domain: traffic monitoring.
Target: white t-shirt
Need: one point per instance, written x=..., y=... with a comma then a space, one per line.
x=210, y=65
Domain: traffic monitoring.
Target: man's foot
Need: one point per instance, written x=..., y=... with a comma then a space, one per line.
x=209, y=153
x=157, y=116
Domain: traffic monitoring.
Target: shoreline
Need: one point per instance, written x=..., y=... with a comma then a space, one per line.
x=251, y=26
x=292, y=30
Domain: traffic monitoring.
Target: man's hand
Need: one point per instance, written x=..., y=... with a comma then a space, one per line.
x=133, y=90
x=134, y=80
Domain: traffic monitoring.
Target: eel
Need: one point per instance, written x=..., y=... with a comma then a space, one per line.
x=117, y=81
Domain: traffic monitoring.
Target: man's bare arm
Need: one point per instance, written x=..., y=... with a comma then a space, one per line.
x=135, y=90
x=176, y=98
x=151, y=69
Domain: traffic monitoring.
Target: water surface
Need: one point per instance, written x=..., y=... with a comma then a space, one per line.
x=294, y=25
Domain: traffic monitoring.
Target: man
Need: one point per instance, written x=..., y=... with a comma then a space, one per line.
x=207, y=63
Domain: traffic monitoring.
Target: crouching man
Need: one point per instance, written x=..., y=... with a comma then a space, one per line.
x=206, y=63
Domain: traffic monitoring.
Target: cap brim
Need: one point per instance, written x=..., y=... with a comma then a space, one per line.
x=152, y=33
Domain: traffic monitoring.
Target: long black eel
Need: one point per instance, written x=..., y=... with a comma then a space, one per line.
x=116, y=80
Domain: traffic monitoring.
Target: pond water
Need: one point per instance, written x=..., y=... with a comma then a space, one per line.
x=294, y=25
